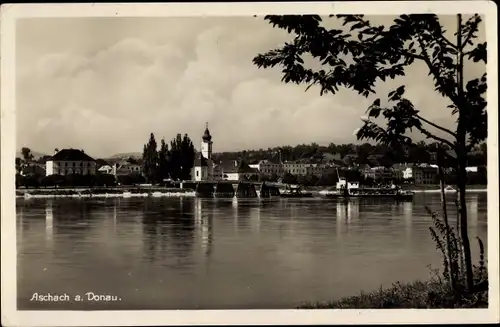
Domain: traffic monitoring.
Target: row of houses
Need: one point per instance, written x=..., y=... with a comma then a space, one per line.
x=75, y=161
x=419, y=174
x=122, y=167
x=422, y=174
x=299, y=167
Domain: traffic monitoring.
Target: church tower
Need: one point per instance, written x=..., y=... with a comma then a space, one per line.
x=206, y=144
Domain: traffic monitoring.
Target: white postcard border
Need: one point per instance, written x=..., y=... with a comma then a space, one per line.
x=12, y=317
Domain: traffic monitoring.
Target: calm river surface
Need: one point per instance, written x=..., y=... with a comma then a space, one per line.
x=173, y=253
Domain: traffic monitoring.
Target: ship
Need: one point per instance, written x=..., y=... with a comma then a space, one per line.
x=345, y=189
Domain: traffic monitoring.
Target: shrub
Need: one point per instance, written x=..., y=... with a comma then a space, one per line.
x=105, y=180
x=453, y=275
x=32, y=180
x=53, y=180
x=434, y=294
x=131, y=179
x=19, y=180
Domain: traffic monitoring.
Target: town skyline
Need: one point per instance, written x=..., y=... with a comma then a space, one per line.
x=105, y=92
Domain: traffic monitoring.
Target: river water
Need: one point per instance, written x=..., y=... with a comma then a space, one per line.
x=188, y=253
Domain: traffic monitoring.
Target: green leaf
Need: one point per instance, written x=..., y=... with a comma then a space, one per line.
x=400, y=90
x=374, y=112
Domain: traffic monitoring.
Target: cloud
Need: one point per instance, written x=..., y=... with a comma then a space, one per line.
x=106, y=89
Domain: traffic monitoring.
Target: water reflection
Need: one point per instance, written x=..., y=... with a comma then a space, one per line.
x=255, y=219
x=235, y=214
x=115, y=217
x=407, y=214
x=170, y=253
x=168, y=228
x=472, y=212
x=346, y=210
x=20, y=223
x=49, y=217
x=204, y=217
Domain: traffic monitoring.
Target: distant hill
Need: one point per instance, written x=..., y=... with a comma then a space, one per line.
x=135, y=155
x=35, y=154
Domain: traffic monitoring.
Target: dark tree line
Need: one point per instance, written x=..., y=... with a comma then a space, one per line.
x=359, y=154
x=174, y=162
x=70, y=180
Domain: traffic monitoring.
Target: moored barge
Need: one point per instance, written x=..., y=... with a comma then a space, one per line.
x=345, y=189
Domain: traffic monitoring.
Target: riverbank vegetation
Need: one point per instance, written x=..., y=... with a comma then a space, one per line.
x=35, y=181
x=358, y=56
x=431, y=294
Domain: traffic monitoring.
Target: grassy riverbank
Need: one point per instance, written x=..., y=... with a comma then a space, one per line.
x=433, y=294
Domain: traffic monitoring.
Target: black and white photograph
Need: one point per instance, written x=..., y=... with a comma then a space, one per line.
x=249, y=163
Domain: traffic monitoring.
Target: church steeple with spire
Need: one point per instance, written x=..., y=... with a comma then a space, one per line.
x=204, y=167
x=206, y=143
x=206, y=136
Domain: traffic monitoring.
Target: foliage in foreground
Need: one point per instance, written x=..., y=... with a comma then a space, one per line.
x=434, y=293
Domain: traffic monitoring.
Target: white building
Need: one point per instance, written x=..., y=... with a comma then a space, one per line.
x=203, y=168
x=343, y=183
x=379, y=173
x=268, y=168
x=303, y=167
x=408, y=172
x=423, y=174
x=106, y=169
x=70, y=161
x=239, y=171
x=471, y=169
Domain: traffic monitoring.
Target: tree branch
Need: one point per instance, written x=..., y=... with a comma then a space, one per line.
x=436, y=138
x=474, y=21
x=442, y=37
x=469, y=147
x=436, y=73
x=413, y=55
x=436, y=126
x=467, y=38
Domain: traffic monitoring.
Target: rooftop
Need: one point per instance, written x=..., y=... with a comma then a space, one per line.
x=200, y=160
x=71, y=155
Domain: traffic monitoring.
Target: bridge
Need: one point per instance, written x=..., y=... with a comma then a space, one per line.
x=224, y=189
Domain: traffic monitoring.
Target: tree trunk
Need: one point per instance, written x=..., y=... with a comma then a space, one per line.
x=451, y=263
x=461, y=152
x=461, y=183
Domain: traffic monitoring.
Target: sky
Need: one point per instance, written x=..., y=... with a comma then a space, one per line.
x=104, y=84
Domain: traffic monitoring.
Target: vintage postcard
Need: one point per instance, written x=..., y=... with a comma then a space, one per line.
x=249, y=163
